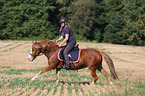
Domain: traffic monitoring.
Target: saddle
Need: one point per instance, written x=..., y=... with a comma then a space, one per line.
x=74, y=55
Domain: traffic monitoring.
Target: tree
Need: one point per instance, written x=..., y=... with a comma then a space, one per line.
x=63, y=7
x=28, y=18
x=125, y=22
x=113, y=29
x=134, y=31
x=113, y=21
x=82, y=16
x=102, y=9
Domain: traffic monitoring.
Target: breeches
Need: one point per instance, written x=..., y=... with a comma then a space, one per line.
x=66, y=51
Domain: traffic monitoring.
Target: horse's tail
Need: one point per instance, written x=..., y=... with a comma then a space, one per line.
x=110, y=64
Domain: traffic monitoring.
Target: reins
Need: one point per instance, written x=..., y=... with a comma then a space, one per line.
x=41, y=53
x=35, y=53
x=52, y=50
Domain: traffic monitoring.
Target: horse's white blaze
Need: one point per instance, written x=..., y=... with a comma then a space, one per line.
x=30, y=58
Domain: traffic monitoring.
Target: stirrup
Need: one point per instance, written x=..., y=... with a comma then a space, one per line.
x=63, y=66
x=67, y=68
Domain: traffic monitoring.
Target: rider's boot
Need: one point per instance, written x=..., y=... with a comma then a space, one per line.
x=67, y=66
x=63, y=65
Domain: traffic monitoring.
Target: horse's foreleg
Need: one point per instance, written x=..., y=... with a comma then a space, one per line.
x=36, y=76
x=49, y=67
x=57, y=75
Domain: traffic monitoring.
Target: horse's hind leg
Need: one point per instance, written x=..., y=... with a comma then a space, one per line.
x=105, y=74
x=94, y=75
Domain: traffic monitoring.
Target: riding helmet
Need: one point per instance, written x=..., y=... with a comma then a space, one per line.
x=63, y=19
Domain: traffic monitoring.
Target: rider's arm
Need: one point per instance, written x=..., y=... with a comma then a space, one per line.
x=60, y=38
x=65, y=39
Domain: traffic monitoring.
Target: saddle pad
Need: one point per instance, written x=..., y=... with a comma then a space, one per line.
x=75, y=55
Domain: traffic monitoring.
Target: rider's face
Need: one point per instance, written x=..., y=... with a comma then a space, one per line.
x=62, y=24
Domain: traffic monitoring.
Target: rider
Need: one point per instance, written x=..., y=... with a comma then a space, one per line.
x=68, y=38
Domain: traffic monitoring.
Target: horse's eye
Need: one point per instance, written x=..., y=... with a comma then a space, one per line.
x=32, y=50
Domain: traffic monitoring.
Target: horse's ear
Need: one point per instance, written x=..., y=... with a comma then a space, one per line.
x=52, y=41
x=33, y=42
x=38, y=42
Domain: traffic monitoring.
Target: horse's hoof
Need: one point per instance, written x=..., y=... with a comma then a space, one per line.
x=92, y=83
x=57, y=82
x=111, y=83
x=32, y=79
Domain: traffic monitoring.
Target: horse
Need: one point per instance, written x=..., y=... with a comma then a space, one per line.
x=89, y=57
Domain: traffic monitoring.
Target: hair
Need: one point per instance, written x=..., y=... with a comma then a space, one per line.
x=68, y=24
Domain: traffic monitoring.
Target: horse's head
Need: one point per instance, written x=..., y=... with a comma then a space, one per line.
x=40, y=47
x=35, y=50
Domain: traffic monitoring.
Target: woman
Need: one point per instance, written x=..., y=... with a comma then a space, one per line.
x=68, y=38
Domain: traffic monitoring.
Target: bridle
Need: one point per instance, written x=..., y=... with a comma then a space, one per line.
x=35, y=53
x=42, y=53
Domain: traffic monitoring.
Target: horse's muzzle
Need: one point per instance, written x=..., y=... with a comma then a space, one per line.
x=30, y=58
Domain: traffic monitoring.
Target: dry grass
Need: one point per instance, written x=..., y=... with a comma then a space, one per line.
x=16, y=72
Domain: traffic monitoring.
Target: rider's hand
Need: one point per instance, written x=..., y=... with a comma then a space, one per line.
x=56, y=41
x=60, y=45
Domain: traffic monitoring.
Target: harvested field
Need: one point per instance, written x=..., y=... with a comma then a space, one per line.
x=16, y=72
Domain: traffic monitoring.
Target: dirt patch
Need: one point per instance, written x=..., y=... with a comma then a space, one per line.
x=16, y=72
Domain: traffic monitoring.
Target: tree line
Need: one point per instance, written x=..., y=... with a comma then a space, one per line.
x=113, y=21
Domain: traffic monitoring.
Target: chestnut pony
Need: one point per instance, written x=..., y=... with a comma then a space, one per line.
x=89, y=57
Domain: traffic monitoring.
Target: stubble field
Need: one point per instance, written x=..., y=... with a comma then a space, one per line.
x=16, y=72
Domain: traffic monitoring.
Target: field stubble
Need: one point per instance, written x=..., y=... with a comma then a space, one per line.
x=16, y=72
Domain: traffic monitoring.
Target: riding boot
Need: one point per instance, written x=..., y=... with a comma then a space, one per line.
x=63, y=65
x=67, y=66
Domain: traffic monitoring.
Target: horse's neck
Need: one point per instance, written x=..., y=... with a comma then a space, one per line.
x=54, y=47
x=50, y=51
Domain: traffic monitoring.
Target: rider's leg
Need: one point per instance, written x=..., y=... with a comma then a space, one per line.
x=65, y=53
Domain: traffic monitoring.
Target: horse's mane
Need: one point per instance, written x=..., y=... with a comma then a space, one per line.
x=47, y=41
x=50, y=42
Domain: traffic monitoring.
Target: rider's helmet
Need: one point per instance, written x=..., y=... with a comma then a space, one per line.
x=63, y=19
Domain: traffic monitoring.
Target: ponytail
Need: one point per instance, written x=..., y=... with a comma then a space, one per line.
x=67, y=24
